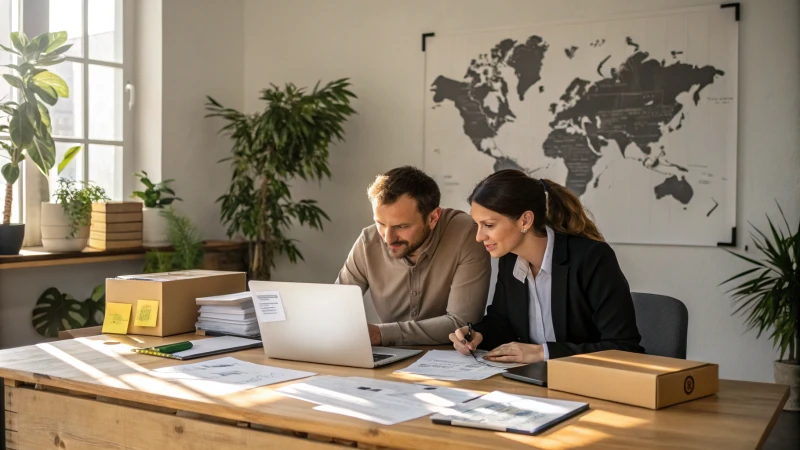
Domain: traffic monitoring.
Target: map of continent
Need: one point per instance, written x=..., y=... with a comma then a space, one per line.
x=637, y=115
x=633, y=105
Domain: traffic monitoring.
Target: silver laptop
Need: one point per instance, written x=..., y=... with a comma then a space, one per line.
x=325, y=323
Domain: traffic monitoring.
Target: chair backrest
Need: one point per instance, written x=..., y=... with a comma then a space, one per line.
x=663, y=323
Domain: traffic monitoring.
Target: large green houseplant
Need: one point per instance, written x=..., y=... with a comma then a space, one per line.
x=28, y=119
x=770, y=296
x=289, y=139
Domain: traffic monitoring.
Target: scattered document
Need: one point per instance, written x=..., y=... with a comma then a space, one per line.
x=385, y=402
x=453, y=366
x=269, y=307
x=117, y=317
x=146, y=313
x=224, y=376
x=499, y=411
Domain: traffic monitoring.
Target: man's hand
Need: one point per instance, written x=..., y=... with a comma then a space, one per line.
x=374, y=334
x=515, y=352
x=461, y=344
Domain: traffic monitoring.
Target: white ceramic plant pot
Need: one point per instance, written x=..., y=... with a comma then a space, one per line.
x=56, y=231
x=154, y=228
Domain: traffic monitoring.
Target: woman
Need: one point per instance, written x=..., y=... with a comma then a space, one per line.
x=559, y=288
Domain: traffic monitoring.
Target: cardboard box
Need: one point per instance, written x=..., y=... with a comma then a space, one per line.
x=633, y=378
x=176, y=293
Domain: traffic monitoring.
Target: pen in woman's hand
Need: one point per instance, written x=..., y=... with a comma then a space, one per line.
x=468, y=337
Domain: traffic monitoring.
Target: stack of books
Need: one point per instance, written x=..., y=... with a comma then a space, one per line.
x=116, y=225
x=232, y=315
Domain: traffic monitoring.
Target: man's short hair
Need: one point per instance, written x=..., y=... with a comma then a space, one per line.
x=406, y=180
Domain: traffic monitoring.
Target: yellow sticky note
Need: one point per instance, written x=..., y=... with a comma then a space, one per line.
x=117, y=317
x=146, y=313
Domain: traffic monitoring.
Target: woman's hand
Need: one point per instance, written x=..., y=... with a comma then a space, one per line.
x=515, y=352
x=460, y=342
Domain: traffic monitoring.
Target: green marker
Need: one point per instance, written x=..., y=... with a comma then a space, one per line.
x=174, y=348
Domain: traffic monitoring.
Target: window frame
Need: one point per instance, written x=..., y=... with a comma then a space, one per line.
x=32, y=186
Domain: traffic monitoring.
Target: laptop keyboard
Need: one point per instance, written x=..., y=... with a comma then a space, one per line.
x=379, y=357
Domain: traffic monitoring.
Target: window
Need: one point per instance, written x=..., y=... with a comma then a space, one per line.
x=97, y=70
x=92, y=116
x=9, y=22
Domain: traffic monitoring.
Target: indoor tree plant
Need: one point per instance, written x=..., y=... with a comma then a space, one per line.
x=65, y=224
x=771, y=298
x=28, y=119
x=155, y=196
x=289, y=139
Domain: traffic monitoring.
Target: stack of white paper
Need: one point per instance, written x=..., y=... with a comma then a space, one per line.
x=385, y=402
x=232, y=314
x=453, y=366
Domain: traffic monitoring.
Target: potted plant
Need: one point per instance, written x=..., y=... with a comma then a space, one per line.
x=771, y=299
x=28, y=119
x=56, y=311
x=65, y=224
x=289, y=139
x=154, y=225
x=187, y=246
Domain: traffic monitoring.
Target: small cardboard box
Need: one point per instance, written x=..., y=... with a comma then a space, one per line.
x=633, y=378
x=176, y=293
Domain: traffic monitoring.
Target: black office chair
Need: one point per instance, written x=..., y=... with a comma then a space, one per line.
x=663, y=323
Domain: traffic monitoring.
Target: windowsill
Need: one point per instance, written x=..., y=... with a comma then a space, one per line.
x=36, y=257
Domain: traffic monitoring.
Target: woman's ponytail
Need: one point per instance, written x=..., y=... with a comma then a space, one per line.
x=512, y=192
x=565, y=213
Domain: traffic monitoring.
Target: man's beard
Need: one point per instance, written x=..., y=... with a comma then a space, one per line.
x=407, y=248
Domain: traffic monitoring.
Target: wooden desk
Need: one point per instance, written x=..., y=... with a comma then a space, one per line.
x=84, y=393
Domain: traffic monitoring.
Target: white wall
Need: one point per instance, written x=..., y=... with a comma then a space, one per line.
x=148, y=68
x=203, y=55
x=377, y=44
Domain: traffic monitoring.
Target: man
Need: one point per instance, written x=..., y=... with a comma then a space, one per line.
x=425, y=271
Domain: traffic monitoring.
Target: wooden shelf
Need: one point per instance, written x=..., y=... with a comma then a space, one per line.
x=36, y=257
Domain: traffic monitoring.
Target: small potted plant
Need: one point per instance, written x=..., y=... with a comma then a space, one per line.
x=155, y=198
x=65, y=223
x=769, y=292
